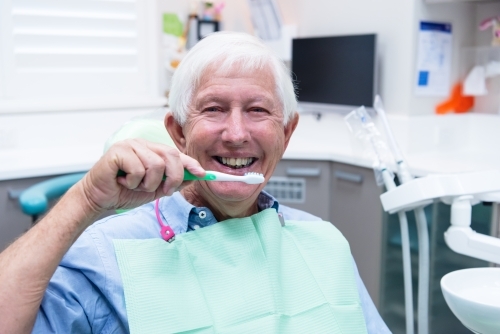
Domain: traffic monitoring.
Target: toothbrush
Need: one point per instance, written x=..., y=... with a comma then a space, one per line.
x=248, y=178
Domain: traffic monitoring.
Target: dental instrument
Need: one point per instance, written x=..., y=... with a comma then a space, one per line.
x=248, y=178
x=405, y=176
x=361, y=125
x=405, y=246
x=461, y=191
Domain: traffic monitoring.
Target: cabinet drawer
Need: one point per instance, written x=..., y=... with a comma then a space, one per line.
x=357, y=212
x=304, y=185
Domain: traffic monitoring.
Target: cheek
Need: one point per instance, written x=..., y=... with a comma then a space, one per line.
x=200, y=137
x=272, y=142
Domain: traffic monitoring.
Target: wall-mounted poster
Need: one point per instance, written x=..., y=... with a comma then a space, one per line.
x=434, y=59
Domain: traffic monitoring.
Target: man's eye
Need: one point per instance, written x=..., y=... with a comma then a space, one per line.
x=257, y=109
x=211, y=109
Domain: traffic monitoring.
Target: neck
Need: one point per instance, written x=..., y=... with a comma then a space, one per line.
x=222, y=210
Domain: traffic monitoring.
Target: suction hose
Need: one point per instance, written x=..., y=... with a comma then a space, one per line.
x=405, y=248
x=423, y=271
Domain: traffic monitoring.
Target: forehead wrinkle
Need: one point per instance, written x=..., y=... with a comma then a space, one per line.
x=221, y=98
x=219, y=88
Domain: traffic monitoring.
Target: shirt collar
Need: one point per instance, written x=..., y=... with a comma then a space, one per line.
x=266, y=201
x=176, y=210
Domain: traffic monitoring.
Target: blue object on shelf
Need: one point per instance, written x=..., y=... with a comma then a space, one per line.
x=35, y=200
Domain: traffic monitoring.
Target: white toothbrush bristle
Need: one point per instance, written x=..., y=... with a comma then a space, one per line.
x=254, y=178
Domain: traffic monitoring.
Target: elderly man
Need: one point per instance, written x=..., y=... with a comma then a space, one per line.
x=233, y=111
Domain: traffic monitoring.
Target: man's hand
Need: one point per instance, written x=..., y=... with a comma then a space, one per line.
x=145, y=165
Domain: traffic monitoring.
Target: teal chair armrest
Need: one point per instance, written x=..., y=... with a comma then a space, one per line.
x=35, y=200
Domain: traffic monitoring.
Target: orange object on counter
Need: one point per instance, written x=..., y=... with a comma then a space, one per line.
x=457, y=102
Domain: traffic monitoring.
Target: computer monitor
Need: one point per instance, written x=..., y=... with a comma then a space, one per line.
x=335, y=73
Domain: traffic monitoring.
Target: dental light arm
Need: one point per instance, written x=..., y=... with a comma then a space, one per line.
x=461, y=191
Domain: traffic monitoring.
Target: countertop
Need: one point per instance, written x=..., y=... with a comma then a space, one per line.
x=42, y=145
x=430, y=144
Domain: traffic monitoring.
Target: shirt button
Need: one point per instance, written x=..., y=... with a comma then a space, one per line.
x=202, y=214
x=195, y=227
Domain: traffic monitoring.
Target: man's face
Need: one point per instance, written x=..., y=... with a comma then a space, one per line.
x=235, y=126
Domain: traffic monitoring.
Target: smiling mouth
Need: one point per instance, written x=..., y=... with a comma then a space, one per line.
x=235, y=163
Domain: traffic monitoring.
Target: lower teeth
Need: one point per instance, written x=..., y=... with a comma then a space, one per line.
x=236, y=167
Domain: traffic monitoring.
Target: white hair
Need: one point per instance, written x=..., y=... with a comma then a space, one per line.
x=224, y=50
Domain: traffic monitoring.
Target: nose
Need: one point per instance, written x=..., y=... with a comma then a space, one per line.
x=236, y=128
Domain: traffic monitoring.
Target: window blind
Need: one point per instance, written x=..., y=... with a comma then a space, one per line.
x=78, y=49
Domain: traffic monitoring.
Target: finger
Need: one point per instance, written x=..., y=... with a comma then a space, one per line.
x=192, y=165
x=128, y=161
x=153, y=164
x=173, y=167
x=175, y=173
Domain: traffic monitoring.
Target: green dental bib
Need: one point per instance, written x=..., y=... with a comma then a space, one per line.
x=248, y=275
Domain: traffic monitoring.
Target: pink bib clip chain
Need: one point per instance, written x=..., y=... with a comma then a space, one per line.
x=166, y=231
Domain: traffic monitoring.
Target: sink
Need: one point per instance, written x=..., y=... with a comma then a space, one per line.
x=473, y=295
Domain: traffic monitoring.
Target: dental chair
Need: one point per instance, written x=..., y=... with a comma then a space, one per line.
x=35, y=200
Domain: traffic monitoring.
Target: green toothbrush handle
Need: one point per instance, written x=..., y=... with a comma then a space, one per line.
x=190, y=177
x=187, y=176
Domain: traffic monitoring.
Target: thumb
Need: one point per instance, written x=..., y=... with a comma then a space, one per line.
x=192, y=165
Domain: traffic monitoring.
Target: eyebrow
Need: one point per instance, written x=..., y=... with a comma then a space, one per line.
x=219, y=99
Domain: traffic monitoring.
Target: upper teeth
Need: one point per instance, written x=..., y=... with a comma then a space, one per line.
x=236, y=161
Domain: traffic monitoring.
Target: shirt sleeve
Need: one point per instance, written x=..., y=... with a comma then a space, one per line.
x=374, y=322
x=73, y=302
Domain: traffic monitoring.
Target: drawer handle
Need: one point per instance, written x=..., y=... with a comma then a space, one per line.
x=350, y=177
x=291, y=171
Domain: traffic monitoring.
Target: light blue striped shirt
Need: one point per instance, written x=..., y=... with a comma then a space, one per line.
x=85, y=295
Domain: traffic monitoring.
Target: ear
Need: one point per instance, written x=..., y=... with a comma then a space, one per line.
x=175, y=131
x=290, y=128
